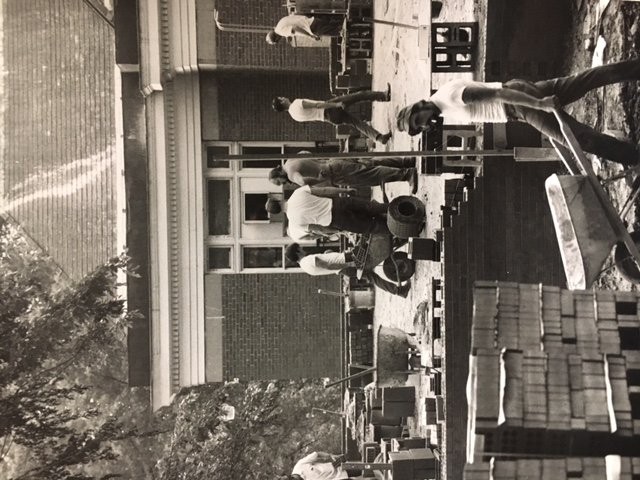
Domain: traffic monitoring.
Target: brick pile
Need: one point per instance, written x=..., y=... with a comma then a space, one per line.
x=557, y=468
x=552, y=372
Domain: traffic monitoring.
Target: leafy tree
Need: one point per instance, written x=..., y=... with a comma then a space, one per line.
x=52, y=333
x=274, y=426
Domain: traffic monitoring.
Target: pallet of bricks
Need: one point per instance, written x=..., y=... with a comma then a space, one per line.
x=360, y=338
x=553, y=372
x=585, y=468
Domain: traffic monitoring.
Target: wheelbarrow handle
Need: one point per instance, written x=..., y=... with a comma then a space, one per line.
x=584, y=165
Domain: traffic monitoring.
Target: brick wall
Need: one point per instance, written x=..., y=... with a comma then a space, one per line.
x=278, y=326
x=251, y=50
x=244, y=105
x=514, y=26
x=504, y=232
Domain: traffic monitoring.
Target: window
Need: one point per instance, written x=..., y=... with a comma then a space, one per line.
x=254, y=207
x=261, y=150
x=219, y=206
x=213, y=151
x=262, y=257
x=219, y=258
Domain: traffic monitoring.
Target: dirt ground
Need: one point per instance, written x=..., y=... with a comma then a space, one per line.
x=397, y=60
x=616, y=108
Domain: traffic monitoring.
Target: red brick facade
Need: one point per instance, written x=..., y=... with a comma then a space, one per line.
x=279, y=326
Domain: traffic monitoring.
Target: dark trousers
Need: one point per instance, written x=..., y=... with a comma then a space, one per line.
x=356, y=174
x=327, y=25
x=568, y=90
x=372, y=277
x=396, y=162
x=352, y=214
x=339, y=116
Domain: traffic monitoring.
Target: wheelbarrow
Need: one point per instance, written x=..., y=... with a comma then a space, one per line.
x=405, y=218
x=587, y=224
x=391, y=359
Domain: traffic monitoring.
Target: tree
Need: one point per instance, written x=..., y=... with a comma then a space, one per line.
x=273, y=427
x=50, y=330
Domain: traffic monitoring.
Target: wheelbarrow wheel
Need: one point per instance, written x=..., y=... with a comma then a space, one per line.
x=399, y=267
x=625, y=262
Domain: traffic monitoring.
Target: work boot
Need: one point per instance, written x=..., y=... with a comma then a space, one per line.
x=409, y=162
x=403, y=290
x=412, y=178
x=383, y=138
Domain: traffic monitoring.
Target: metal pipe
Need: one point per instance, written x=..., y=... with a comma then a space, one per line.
x=351, y=377
x=394, y=24
x=238, y=27
x=351, y=155
x=332, y=294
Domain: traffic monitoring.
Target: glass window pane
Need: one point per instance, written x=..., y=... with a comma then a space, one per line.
x=262, y=257
x=219, y=257
x=254, y=207
x=214, y=151
x=261, y=150
x=219, y=207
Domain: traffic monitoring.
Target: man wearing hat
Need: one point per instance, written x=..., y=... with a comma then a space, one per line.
x=346, y=173
x=304, y=26
x=342, y=263
x=467, y=101
x=333, y=111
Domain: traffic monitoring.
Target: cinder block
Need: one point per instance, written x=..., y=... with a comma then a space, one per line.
x=398, y=409
x=398, y=394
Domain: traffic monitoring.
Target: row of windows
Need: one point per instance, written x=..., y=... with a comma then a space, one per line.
x=231, y=210
x=221, y=258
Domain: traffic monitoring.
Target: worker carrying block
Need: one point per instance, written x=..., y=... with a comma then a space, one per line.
x=467, y=101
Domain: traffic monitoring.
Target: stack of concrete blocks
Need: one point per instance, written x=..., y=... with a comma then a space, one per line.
x=552, y=371
x=413, y=464
x=585, y=468
x=386, y=409
x=434, y=409
x=398, y=401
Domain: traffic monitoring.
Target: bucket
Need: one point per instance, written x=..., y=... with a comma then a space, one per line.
x=361, y=299
x=406, y=216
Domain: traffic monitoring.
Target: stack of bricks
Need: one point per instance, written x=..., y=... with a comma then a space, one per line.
x=361, y=347
x=553, y=372
x=535, y=317
x=584, y=468
x=359, y=326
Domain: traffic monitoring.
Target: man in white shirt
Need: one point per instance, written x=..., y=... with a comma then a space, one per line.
x=333, y=111
x=318, y=466
x=317, y=209
x=302, y=25
x=466, y=101
x=344, y=173
x=341, y=263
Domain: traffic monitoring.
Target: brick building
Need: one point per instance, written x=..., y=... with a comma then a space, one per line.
x=59, y=170
x=221, y=300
